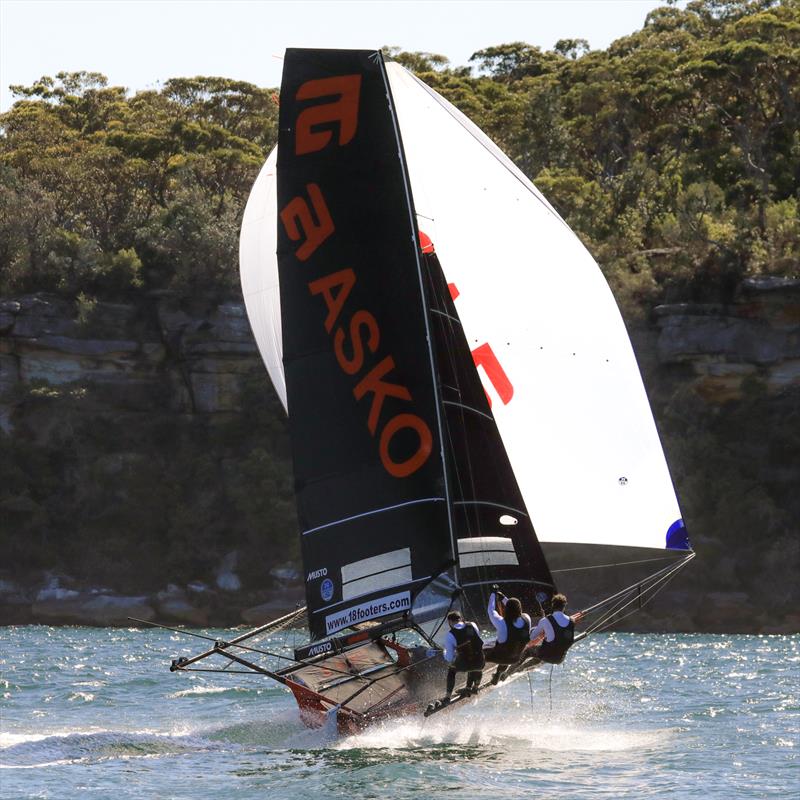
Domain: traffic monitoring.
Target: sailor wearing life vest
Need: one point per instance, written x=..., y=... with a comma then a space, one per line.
x=463, y=651
x=554, y=634
x=513, y=629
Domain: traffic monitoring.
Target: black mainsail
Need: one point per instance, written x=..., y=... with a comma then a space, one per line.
x=401, y=475
x=370, y=481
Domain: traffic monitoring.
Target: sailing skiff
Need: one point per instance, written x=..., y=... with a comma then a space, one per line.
x=465, y=407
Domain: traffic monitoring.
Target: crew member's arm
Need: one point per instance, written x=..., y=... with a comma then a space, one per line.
x=449, y=647
x=537, y=634
x=494, y=617
x=577, y=616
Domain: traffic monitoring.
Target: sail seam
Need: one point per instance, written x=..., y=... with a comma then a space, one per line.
x=374, y=574
x=374, y=511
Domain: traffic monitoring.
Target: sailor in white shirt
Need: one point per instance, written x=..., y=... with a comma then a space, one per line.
x=512, y=629
x=463, y=650
x=554, y=634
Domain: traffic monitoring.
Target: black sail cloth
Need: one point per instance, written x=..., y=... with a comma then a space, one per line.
x=363, y=411
x=400, y=473
x=483, y=490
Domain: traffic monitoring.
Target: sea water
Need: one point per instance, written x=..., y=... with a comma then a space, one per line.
x=95, y=713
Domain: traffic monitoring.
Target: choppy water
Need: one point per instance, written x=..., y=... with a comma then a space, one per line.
x=96, y=713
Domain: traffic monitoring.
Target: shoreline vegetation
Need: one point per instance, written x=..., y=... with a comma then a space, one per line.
x=144, y=457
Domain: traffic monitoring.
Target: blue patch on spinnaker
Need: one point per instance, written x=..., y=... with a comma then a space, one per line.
x=678, y=537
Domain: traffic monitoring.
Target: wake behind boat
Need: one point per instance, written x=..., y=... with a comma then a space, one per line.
x=433, y=458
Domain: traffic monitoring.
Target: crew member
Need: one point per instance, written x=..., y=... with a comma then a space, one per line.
x=554, y=634
x=463, y=650
x=513, y=629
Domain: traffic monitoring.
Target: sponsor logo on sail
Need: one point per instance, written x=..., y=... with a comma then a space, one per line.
x=326, y=589
x=317, y=573
x=391, y=604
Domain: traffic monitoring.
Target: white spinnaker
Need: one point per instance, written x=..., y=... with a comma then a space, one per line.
x=258, y=269
x=578, y=430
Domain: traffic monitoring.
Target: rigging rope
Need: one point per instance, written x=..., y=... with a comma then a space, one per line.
x=623, y=600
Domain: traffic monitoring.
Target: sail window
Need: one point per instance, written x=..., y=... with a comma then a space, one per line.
x=486, y=551
x=507, y=519
x=376, y=573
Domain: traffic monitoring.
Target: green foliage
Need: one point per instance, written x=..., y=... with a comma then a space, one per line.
x=674, y=154
x=110, y=194
x=416, y=61
x=86, y=307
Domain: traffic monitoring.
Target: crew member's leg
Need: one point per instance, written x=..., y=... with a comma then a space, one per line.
x=451, y=681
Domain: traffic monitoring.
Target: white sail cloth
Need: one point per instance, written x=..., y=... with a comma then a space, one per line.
x=549, y=341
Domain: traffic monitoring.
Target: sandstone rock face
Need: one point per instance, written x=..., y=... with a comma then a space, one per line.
x=276, y=606
x=754, y=342
x=179, y=609
x=191, y=362
x=128, y=358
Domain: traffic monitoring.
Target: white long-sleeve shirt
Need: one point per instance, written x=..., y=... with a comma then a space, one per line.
x=544, y=626
x=500, y=624
x=450, y=640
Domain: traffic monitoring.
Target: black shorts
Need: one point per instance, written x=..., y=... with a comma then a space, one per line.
x=464, y=664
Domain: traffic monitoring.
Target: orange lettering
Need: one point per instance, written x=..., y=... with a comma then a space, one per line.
x=405, y=468
x=372, y=382
x=358, y=320
x=343, y=111
x=299, y=223
x=343, y=281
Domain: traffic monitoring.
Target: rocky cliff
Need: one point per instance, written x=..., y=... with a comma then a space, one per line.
x=145, y=462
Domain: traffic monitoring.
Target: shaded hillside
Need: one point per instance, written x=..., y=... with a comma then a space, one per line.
x=144, y=448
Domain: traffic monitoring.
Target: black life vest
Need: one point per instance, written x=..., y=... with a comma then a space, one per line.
x=509, y=651
x=518, y=636
x=563, y=638
x=469, y=648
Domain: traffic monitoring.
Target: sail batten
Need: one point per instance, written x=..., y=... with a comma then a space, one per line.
x=372, y=512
